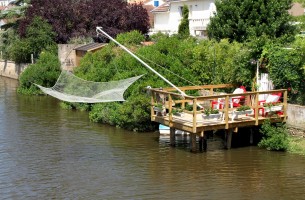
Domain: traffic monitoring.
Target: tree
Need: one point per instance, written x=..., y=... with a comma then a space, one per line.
x=11, y=17
x=39, y=36
x=14, y=13
x=70, y=18
x=241, y=20
x=184, y=29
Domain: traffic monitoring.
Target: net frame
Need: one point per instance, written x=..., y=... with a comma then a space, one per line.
x=71, y=88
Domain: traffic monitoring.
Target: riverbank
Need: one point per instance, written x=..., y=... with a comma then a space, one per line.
x=296, y=141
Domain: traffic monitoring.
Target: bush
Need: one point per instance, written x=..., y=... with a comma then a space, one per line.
x=275, y=138
x=132, y=37
x=133, y=114
x=45, y=72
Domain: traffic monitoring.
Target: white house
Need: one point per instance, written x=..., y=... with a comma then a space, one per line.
x=4, y=2
x=168, y=15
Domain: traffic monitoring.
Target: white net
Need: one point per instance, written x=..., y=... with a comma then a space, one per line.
x=73, y=89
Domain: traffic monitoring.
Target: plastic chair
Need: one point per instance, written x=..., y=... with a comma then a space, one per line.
x=238, y=100
x=271, y=98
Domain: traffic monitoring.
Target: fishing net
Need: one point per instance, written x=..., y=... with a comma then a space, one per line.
x=71, y=88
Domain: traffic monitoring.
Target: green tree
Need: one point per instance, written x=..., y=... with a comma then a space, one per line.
x=242, y=20
x=39, y=36
x=11, y=16
x=183, y=28
x=286, y=68
x=44, y=72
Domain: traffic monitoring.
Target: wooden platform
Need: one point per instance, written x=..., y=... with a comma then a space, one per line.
x=186, y=123
x=193, y=122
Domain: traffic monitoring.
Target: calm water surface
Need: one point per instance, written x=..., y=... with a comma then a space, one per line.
x=50, y=153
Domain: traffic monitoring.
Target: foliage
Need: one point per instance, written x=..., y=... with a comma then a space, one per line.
x=115, y=16
x=130, y=38
x=13, y=14
x=275, y=138
x=184, y=29
x=270, y=104
x=241, y=20
x=296, y=145
x=286, y=69
x=45, y=72
x=177, y=110
x=243, y=108
x=172, y=57
x=222, y=62
x=132, y=115
x=209, y=111
x=38, y=36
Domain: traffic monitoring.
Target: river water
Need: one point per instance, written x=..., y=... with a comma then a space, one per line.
x=50, y=153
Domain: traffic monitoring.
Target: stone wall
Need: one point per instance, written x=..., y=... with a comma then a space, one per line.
x=296, y=116
x=10, y=69
x=67, y=56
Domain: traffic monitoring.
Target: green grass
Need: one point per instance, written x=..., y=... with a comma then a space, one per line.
x=296, y=145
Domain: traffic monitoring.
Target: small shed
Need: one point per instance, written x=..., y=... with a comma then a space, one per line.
x=82, y=50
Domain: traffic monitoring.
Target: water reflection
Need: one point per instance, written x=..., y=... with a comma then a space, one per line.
x=50, y=153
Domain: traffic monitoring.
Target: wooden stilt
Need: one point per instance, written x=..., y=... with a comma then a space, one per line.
x=201, y=141
x=251, y=136
x=193, y=143
x=228, y=138
x=205, y=142
x=172, y=136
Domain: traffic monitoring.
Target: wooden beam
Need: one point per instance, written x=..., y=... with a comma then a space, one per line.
x=193, y=143
x=227, y=112
x=172, y=136
x=228, y=138
x=285, y=105
x=256, y=108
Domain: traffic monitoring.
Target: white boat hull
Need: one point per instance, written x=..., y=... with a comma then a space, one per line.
x=164, y=130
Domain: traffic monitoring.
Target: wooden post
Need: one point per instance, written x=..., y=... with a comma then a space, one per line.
x=172, y=136
x=285, y=105
x=251, y=136
x=205, y=142
x=226, y=112
x=194, y=115
x=202, y=142
x=170, y=108
x=152, y=106
x=193, y=143
x=228, y=138
x=256, y=108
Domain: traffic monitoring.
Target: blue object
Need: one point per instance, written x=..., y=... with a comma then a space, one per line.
x=156, y=3
x=163, y=127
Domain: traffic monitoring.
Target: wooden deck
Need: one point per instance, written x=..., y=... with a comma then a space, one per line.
x=193, y=122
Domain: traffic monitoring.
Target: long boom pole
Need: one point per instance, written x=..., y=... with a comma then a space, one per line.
x=141, y=61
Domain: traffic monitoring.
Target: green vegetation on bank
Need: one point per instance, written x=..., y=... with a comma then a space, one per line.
x=275, y=137
x=296, y=145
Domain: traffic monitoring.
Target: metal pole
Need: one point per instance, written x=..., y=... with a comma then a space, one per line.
x=141, y=61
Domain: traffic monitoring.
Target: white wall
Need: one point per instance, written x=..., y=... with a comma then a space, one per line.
x=199, y=16
x=162, y=22
x=4, y=2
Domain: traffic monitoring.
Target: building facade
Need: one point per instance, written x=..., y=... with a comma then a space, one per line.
x=168, y=16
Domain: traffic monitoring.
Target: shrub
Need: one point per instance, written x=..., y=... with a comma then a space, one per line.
x=45, y=72
x=275, y=138
x=132, y=37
